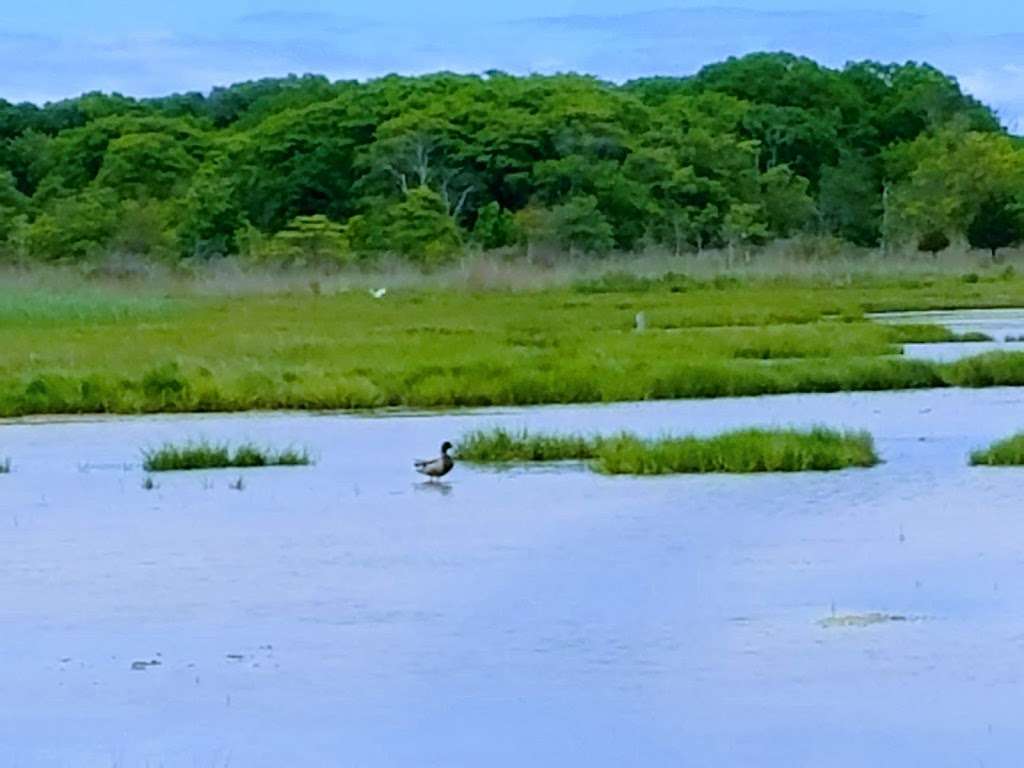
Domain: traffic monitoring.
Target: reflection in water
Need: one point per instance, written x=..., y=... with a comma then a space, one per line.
x=442, y=489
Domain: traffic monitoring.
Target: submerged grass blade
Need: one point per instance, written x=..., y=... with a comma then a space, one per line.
x=745, y=451
x=204, y=455
x=860, y=620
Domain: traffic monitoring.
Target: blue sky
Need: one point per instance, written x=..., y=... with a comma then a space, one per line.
x=51, y=49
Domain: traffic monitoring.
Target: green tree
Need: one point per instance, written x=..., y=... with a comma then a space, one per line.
x=417, y=149
x=943, y=180
x=144, y=228
x=212, y=215
x=682, y=211
x=577, y=226
x=933, y=242
x=788, y=207
x=850, y=200
x=73, y=227
x=299, y=162
x=306, y=241
x=495, y=227
x=13, y=204
x=998, y=223
x=152, y=165
x=744, y=225
x=800, y=139
x=417, y=227
x=74, y=158
x=751, y=148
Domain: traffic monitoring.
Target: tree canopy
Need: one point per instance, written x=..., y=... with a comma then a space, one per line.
x=304, y=169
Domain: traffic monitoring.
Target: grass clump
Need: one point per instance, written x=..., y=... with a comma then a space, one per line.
x=502, y=446
x=994, y=369
x=973, y=336
x=204, y=455
x=1004, y=453
x=740, y=452
x=914, y=333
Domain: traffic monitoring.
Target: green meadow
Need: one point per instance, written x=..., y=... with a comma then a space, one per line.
x=132, y=348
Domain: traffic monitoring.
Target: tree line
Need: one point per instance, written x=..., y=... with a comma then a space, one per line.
x=303, y=169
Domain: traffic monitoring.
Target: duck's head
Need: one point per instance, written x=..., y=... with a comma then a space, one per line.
x=446, y=447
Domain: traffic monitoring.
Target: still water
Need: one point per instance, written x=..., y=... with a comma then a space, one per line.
x=346, y=615
x=1004, y=326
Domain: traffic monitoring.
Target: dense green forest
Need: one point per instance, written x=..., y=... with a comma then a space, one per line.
x=305, y=170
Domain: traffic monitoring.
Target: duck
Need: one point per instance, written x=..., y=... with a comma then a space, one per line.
x=439, y=467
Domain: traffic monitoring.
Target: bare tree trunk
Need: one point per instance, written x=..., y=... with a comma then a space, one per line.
x=422, y=162
x=403, y=181
x=462, y=202
x=885, y=218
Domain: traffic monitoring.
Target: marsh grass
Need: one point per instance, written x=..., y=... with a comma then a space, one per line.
x=205, y=455
x=739, y=452
x=610, y=373
x=915, y=333
x=994, y=369
x=972, y=337
x=436, y=345
x=37, y=307
x=502, y=446
x=1004, y=453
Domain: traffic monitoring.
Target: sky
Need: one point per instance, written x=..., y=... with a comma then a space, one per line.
x=54, y=49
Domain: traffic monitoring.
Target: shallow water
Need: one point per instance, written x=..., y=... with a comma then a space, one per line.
x=344, y=615
x=1003, y=326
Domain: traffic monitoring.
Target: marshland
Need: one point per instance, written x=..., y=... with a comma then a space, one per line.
x=457, y=344
x=782, y=503
x=732, y=365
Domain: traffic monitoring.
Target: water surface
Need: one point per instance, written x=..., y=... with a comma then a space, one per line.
x=344, y=614
x=1004, y=326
